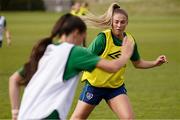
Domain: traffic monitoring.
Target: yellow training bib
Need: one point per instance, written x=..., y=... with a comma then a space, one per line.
x=101, y=78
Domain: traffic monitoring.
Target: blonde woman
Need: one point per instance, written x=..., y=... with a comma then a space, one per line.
x=100, y=84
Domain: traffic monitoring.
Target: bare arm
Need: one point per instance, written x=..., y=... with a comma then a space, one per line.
x=14, y=93
x=143, y=64
x=8, y=36
x=114, y=65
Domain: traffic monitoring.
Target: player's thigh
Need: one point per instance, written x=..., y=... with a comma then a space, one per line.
x=121, y=106
x=82, y=110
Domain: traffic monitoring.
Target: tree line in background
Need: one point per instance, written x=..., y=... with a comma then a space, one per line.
x=11, y=5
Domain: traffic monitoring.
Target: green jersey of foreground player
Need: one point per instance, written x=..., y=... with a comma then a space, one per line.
x=51, y=73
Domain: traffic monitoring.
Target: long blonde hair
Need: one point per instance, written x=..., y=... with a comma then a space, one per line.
x=105, y=20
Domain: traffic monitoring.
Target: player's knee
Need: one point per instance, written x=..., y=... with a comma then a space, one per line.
x=127, y=116
x=78, y=116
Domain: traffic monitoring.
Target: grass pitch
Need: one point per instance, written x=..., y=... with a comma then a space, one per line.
x=154, y=93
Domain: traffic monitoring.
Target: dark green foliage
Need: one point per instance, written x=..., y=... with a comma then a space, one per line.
x=14, y=5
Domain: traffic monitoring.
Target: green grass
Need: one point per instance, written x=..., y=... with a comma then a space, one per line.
x=154, y=93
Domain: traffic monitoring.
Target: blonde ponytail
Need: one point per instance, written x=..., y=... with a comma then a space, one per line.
x=103, y=21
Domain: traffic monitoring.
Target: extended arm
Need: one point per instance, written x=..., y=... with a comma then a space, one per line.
x=115, y=65
x=8, y=36
x=143, y=64
x=14, y=93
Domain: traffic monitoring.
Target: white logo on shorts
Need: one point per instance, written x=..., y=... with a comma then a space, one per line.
x=89, y=95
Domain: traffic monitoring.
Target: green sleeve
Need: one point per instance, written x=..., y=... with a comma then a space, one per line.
x=80, y=59
x=98, y=44
x=135, y=56
x=21, y=72
x=5, y=23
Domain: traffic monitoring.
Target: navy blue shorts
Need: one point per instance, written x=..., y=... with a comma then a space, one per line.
x=93, y=95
